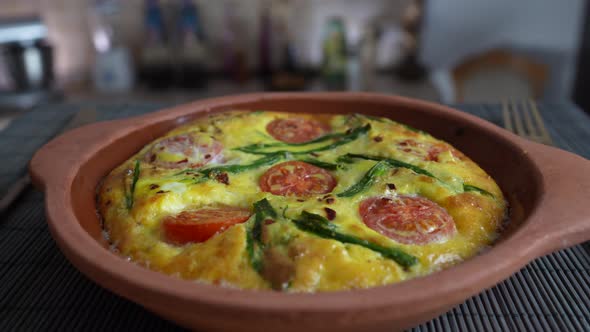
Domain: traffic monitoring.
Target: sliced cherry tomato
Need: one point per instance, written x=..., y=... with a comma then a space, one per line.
x=184, y=150
x=200, y=225
x=296, y=130
x=297, y=178
x=407, y=219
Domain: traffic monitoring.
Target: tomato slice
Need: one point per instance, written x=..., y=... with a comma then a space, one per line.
x=184, y=150
x=407, y=219
x=296, y=130
x=200, y=225
x=296, y=178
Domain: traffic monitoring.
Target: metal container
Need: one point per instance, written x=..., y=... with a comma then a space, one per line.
x=26, y=66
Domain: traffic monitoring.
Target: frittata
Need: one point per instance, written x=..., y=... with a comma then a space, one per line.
x=299, y=202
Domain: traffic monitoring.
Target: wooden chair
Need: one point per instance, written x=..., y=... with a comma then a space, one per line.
x=499, y=75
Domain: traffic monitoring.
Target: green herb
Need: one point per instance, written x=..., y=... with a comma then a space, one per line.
x=416, y=169
x=338, y=138
x=254, y=246
x=257, y=146
x=284, y=144
x=321, y=227
x=234, y=169
x=345, y=158
x=468, y=187
x=212, y=172
x=129, y=197
x=367, y=180
x=320, y=164
x=392, y=162
x=254, y=252
x=205, y=174
x=263, y=210
x=349, y=158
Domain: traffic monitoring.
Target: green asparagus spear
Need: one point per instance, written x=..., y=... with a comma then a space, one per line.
x=129, y=196
x=468, y=187
x=367, y=180
x=338, y=140
x=392, y=162
x=212, y=172
x=254, y=246
x=320, y=164
x=234, y=169
x=321, y=227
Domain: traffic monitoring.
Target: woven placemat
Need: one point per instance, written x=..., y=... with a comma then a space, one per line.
x=40, y=290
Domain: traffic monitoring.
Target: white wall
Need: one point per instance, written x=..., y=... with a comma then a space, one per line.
x=455, y=29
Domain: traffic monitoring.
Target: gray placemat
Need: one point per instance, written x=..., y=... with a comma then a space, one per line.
x=40, y=290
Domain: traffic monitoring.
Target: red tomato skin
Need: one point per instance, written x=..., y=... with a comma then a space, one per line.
x=297, y=178
x=296, y=130
x=407, y=219
x=200, y=225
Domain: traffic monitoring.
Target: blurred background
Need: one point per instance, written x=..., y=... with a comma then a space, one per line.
x=172, y=51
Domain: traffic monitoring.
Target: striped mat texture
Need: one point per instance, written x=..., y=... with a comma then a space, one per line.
x=40, y=290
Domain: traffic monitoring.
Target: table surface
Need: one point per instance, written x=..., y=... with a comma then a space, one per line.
x=41, y=290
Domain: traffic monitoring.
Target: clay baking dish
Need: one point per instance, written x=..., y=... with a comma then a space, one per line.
x=548, y=190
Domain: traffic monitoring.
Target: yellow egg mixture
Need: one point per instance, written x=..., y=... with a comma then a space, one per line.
x=309, y=242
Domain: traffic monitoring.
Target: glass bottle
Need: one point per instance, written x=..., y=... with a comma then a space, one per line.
x=192, y=67
x=156, y=69
x=334, y=62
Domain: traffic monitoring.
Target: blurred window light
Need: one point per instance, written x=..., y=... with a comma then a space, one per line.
x=10, y=32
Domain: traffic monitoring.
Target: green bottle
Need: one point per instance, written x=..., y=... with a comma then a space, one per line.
x=334, y=66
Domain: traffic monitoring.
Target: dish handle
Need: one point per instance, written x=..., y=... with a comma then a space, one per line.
x=562, y=218
x=58, y=157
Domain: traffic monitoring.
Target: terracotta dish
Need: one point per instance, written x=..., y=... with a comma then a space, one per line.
x=547, y=189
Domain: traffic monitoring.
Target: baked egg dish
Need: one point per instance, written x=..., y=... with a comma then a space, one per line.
x=299, y=202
